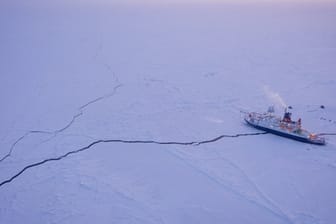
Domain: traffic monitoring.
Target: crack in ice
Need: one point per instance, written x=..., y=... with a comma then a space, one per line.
x=68, y=125
x=192, y=143
x=101, y=97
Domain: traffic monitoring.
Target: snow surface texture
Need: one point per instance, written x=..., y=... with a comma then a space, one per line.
x=131, y=114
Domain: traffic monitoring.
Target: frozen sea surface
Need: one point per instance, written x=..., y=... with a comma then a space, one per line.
x=157, y=79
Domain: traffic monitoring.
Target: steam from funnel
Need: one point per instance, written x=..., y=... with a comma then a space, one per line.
x=274, y=97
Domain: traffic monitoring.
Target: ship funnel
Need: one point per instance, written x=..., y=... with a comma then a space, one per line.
x=270, y=109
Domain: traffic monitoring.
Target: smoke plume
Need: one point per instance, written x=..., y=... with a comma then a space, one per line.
x=274, y=97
